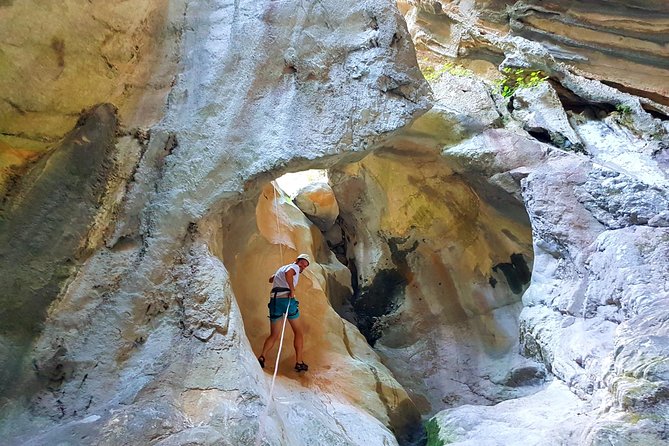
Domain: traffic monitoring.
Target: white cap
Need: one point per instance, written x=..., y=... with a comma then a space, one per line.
x=303, y=256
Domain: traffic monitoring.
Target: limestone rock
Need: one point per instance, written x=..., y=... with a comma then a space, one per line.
x=616, y=43
x=551, y=416
x=329, y=92
x=540, y=111
x=149, y=329
x=82, y=54
x=50, y=225
x=319, y=204
x=137, y=269
x=432, y=289
x=592, y=296
x=617, y=200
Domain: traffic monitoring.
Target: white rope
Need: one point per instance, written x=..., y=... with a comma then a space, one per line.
x=276, y=213
x=283, y=328
x=285, y=316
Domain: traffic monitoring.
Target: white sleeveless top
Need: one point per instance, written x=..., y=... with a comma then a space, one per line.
x=280, y=276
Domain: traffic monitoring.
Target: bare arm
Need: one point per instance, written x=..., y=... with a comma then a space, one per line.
x=271, y=279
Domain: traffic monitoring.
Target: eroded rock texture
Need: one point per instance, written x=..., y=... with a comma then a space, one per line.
x=622, y=43
x=56, y=60
x=146, y=342
x=439, y=272
x=602, y=173
x=495, y=265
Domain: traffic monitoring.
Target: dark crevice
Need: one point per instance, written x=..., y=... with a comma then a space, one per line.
x=576, y=104
x=541, y=135
x=663, y=100
x=372, y=302
x=517, y=273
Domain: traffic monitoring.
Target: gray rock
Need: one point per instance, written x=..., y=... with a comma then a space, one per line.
x=618, y=200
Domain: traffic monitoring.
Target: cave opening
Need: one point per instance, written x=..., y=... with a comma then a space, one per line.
x=428, y=265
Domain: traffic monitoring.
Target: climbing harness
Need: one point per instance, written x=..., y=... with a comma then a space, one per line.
x=275, y=313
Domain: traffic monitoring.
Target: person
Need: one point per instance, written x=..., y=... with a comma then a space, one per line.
x=282, y=300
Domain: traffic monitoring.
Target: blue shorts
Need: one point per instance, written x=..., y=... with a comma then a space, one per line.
x=279, y=306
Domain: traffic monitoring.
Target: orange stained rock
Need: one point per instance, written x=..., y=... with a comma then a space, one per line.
x=340, y=361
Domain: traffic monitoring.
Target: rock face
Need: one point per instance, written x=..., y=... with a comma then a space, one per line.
x=595, y=329
x=52, y=221
x=344, y=362
x=598, y=220
x=497, y=258
x=318, y=202
x=615, y=41
x=439, y=273
x=59, y=60
x=147, y=341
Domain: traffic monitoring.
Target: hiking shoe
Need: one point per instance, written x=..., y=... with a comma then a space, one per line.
x=261, y=360
x=301, y=367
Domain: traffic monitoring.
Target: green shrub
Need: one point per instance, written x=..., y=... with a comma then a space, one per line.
x=436, y=436
x=515, y=79
x=431, y=73
x=624, y=109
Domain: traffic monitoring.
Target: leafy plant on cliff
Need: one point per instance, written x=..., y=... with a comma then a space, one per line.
x=431, y=73
x=624, y=109
x=515, y=79
x=436, y=436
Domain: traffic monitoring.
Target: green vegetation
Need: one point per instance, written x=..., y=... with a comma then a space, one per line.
x=624, y=109
x=430, y=73
x=436, y=436
x=515, y=79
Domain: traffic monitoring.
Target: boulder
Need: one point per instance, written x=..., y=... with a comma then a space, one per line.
x=319, y=204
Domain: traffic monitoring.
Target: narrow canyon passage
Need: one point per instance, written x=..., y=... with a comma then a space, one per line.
x=488, y=234
x=428, y=272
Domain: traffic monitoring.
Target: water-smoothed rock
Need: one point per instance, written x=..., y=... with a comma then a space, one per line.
x=159, y=316
x=148, y=332
x=319, y=204
x=60, y=59
x=551, y=416
x=594, y=294
x=51, y=221
x=433, y=294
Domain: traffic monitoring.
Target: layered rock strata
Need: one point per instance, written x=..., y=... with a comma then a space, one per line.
x=620, y=43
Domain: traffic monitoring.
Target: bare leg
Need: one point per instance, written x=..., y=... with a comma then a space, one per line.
x=274, y=332
x=298, y=331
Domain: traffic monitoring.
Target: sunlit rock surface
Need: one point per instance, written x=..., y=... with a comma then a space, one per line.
x=144, y=340
x=440, y=274
x=319, y=204
x=343, y=364
x=551, y=416
x=499, y=260
x=58, y=59
x=620, y=42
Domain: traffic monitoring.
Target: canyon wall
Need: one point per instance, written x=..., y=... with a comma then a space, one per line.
x=494, y=270
x=139, y=333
